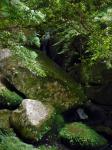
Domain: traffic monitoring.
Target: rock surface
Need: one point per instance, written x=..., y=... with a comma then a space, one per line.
x=39, y=78
x=32, y=119
x=4, y=53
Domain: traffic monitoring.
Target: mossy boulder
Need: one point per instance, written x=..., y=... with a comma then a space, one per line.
x=38, y=77
x=33, y=119
x=4, y=119
x=79, y=134
x=98, y=81
x=8, y=99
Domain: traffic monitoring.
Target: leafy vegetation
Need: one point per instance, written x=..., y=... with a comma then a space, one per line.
x=90, y=19
x=65, y=19
x=81, y=31
x=29, y=60
x=9, y=141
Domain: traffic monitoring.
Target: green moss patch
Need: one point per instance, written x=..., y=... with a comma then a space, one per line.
x=9, y=99
x=4, y=118
x=80, y=134
x=9, y=141
x=47, y=148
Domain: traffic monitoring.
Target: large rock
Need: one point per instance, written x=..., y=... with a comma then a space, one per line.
x=33, y=119
x=80, y=135
x=39, y=78
x=99, y=79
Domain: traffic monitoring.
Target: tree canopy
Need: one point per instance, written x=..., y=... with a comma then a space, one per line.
x=22, y=21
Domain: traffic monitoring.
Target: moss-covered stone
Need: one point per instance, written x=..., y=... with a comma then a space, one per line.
x=39, y=78
x=33, y=119
x=80, y=134
x=4, y=119
x=98, y=81
x=8, y=99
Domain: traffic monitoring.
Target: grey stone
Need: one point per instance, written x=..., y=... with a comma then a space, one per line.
x=33, y=119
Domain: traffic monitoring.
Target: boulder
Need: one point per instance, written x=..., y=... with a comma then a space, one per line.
x=104, y=129
x=32, y=119
x=38, y=77
x=98, y=81
x=80, y=135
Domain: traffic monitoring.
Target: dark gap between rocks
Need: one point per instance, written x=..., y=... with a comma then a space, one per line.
x=11, y=87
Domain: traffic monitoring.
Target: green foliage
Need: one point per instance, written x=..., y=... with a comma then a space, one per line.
x=16, y=20
x=100, y=40
x=58, y=122
x=21, y=37
x=67, y=19
x=19, y=13
x=34, y=40
x=9, y=141
x=9, y=99
x=28, y=59
x=79, y=133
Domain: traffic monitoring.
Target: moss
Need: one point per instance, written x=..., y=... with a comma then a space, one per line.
x=6, y=132
x=28, y=59
x=4, y=118
x=38, y=77
x=9, y=141
x=80, y=134
x=58, y=122
x=47, y=148
x=9, y=99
